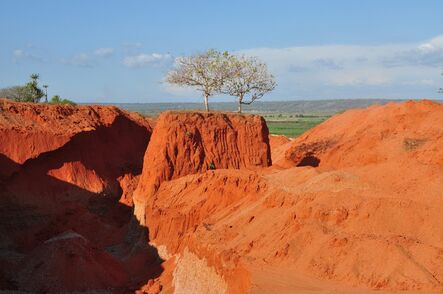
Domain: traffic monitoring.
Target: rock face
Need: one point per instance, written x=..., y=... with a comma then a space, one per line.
x=65, y=168
x=394, y=132
x=30, y=131
x=354, y=206
x=188, y=142
x=52, y=146
x=279, y=144
x=68, y=262
x=194, y=218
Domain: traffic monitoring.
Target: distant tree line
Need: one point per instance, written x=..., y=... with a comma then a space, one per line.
x=213, y=72
x=30, y=92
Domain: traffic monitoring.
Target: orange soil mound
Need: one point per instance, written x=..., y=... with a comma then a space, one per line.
x=68, y=262
x=358, y=211
x=188, y=142
x=279, y=144
x=66, y=168
x=351, y=206
x=375, y=135
x=72, y=144
x=276, y=141
x=43, y=128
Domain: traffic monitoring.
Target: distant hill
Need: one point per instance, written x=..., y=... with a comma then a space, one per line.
x=301, y=106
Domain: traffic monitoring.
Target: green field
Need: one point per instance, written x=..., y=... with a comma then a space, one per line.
x=289, y=118
x=291, y=126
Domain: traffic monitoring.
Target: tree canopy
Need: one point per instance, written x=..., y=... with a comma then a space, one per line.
x=30, y=92
x=214, y=72
x=248, y=80
x=205, y=72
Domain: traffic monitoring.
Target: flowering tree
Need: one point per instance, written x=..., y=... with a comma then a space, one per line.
x=205, y=72
x=248, y=79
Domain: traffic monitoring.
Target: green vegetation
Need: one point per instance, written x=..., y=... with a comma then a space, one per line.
x=57, y=100
x=292, y=125
x=289, y=118
x=30, y=92
x=265, y=108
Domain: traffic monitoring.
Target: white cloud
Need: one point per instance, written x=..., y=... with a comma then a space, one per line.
x=144, y=60
x=104, y=52
x=434, y=44
x=89, y=59
x=25, y=54
x=19, y=53
x=81, y=60
x=341, y=69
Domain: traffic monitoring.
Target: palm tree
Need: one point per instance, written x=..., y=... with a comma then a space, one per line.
x=35, y=77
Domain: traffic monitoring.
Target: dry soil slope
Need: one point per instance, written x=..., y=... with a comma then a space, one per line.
x=365, y=218
x=65, y=168
x=192, y=142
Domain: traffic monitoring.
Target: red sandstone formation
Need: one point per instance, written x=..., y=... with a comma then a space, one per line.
x=42, y=128
x=70, y=144
x=351, y=206
x=279, y=144
x=187, y=143
x=65, y=168
x=128, y=183
x=394, y=132
x=358, y=211
x=68, y=262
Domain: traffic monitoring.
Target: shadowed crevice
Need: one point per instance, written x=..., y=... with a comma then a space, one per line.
x=309, y=160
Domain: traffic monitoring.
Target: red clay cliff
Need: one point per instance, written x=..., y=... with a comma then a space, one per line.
x=193, y=142
x=351, y=206
x=64, y=169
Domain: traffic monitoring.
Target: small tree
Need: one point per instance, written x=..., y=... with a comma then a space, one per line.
x=31, y=91
x=56, y=99
x=248, y=80
x=205, y=71
x=14, y=93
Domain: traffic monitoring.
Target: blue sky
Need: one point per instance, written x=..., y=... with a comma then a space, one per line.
x=119, y=51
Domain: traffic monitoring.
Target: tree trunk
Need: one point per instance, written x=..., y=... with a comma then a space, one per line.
x=206, y=103
x=240, y=100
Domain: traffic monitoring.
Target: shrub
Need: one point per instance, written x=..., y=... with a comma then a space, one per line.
x=31, y=92
x=57, y=100
x=412, y=144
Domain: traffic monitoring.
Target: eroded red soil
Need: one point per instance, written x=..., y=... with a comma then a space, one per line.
x=352, y=205
x=63, y=172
